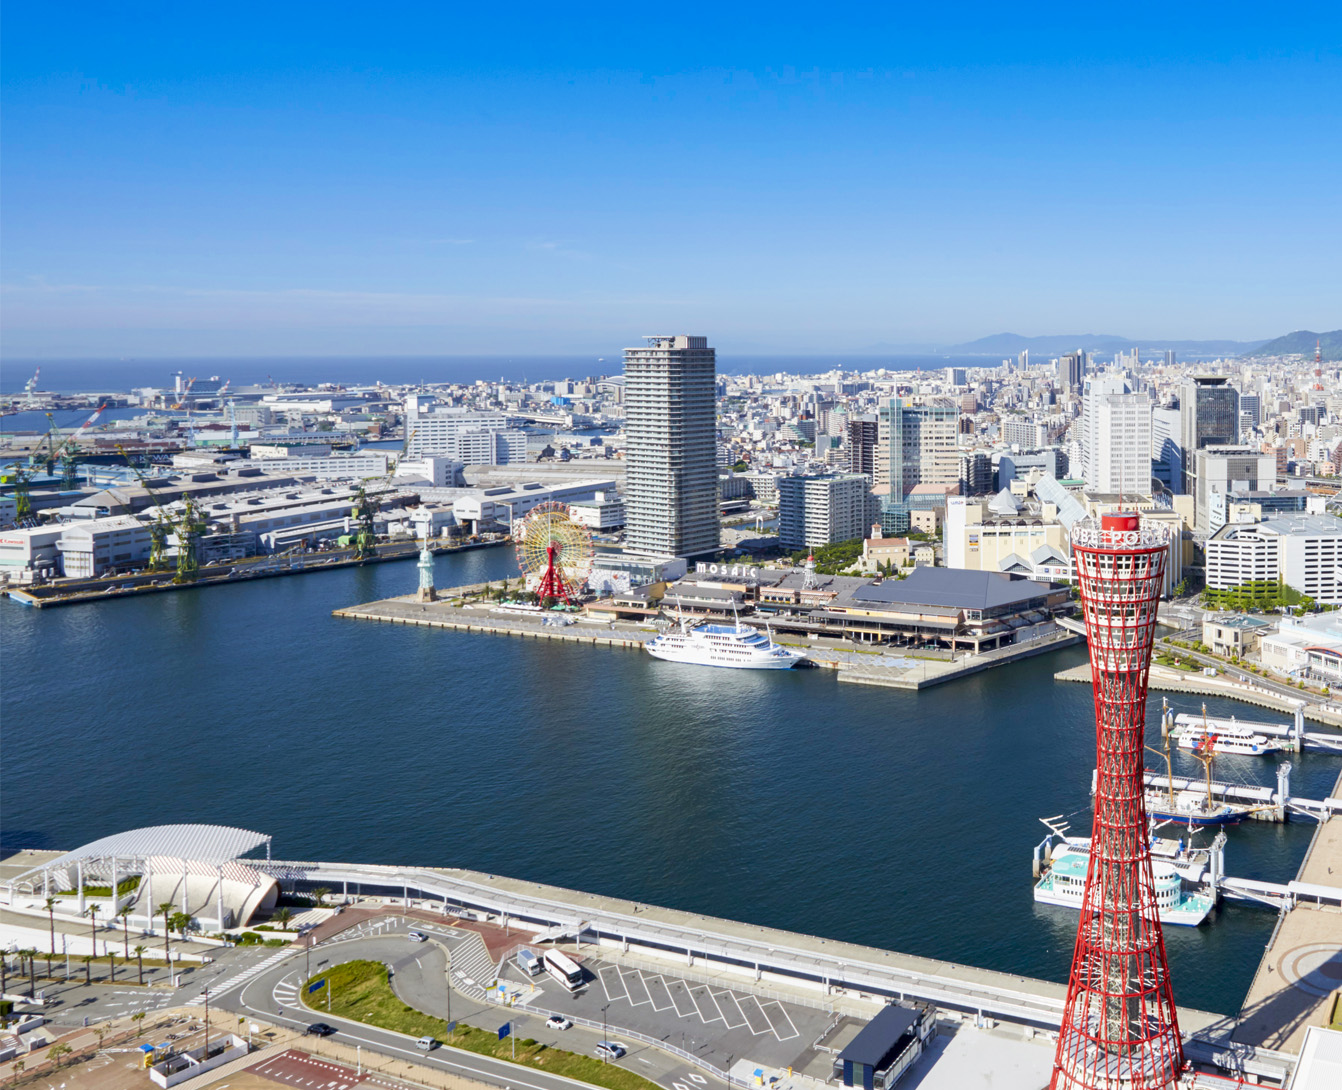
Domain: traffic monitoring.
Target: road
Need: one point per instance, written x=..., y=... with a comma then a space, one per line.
x=419, y=978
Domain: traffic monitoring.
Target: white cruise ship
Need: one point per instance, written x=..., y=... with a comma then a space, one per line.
x=737, y=646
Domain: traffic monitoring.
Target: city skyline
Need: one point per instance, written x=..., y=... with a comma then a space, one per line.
x=430, y=184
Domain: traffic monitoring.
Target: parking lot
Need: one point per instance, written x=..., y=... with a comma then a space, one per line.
x=718, y=1022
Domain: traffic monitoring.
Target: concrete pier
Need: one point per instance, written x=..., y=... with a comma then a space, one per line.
x=1168, y=680
x=891, y=668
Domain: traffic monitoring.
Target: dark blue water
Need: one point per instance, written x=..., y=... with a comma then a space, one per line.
x=897, y=819
x=71, y=376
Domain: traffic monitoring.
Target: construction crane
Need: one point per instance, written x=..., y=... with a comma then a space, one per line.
x=188, y=527
x=405, y=447
x=30, y=390
x=186, y=393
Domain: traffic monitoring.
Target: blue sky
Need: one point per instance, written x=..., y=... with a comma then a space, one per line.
x=436, y=179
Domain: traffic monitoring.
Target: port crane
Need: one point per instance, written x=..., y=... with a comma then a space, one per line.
x=188, y=527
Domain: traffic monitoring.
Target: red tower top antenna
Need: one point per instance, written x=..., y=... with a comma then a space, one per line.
x=1119, y=1030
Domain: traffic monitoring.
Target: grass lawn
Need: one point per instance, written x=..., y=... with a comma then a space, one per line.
x=360, y=992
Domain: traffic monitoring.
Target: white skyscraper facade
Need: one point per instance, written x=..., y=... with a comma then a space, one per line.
x=671, y=473
x=1116, y=436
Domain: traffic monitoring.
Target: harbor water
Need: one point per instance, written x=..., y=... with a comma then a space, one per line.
x=899, y=819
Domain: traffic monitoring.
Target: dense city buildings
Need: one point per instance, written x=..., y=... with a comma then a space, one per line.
x=1116, y=433
x=818, y=511
x=671, y=473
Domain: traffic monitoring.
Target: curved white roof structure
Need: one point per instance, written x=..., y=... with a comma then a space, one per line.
x=200, y=843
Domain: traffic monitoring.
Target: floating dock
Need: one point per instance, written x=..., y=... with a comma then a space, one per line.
x=1272, y=805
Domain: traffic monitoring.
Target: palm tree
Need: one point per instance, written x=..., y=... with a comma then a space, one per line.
x=51, y=919
x=139, y=957
x=111, y=966
x=125, y=928
x=282, y=917
x=31, y=954
x=92, y=913
x=88, y=968
x=165, y=910
x=137, y=1018
x=56, y=1051
x=182, y=922
x=318, y=894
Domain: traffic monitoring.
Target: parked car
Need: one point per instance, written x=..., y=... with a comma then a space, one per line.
x=558, y=1021
x=609, y=1050
x=426, y=1044
x=319, y=1029
x=416, y=936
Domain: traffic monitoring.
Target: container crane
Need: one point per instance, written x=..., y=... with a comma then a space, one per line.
x=185, y=394
x=30, y=390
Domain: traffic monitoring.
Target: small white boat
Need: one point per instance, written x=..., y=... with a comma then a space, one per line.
x=736, y=646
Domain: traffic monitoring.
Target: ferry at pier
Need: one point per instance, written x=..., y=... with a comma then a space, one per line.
x=1229, y=740
x=1064, y=884
x=736, y=646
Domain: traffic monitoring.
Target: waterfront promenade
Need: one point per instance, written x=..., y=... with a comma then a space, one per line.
x=1301, y=970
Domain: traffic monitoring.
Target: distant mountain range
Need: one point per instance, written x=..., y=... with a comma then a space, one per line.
x=1011, y=344
x=1302, y=343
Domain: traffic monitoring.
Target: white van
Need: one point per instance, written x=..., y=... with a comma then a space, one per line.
x=528, y=962
x=426, y=1044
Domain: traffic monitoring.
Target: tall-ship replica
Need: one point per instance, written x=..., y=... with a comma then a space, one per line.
x=1119, y=1028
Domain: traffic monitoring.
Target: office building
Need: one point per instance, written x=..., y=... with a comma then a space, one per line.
x=916, y=445
x=1227, y=469
x=1072, y=371
x=1251, y=407
x=671, y=476
x=1017, y=431
x=862, y=440
x=1208, y=416
x=1169, y=357
x=1302, y=551
x=956, y=376
x=1167, y=456
x=1250, y=506
x=1116, y=436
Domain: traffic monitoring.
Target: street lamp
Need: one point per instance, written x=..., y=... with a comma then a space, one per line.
x=603, y=1029
x=206, y=994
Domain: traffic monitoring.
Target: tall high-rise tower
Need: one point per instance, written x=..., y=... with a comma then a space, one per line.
x=671, y=466
x=1119, y=1028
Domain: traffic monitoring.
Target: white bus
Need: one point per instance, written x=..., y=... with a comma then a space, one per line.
x=564, y=969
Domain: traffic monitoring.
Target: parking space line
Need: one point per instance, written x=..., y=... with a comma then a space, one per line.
x=745, y=1004
x=632, y=979
x=601, y=975
x=648, y=982
x=704, y=1014
x=777, y=1026
x=679, y=985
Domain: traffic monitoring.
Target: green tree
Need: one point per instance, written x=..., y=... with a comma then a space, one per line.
x=138, y=1019
x=181, y=923
x=282, y=917
x=17, y=1068
x=165, y=910
x=139, y=957
x=125, y=928
x=320, y=892
x=58, y=1051
x=88, y=960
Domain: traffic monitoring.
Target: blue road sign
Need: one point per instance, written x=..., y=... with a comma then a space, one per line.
x=505, y=1029
x=316, y=985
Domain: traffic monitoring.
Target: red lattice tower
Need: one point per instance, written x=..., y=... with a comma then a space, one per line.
x=1119, y=1028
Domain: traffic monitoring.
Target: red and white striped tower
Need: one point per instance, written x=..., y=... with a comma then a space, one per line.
x=1119, y=1029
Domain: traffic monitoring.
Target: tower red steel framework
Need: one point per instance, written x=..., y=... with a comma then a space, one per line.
x=1119, y=1028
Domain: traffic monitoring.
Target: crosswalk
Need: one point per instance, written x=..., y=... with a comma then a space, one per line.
x=472, y=967
x=241, y=978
